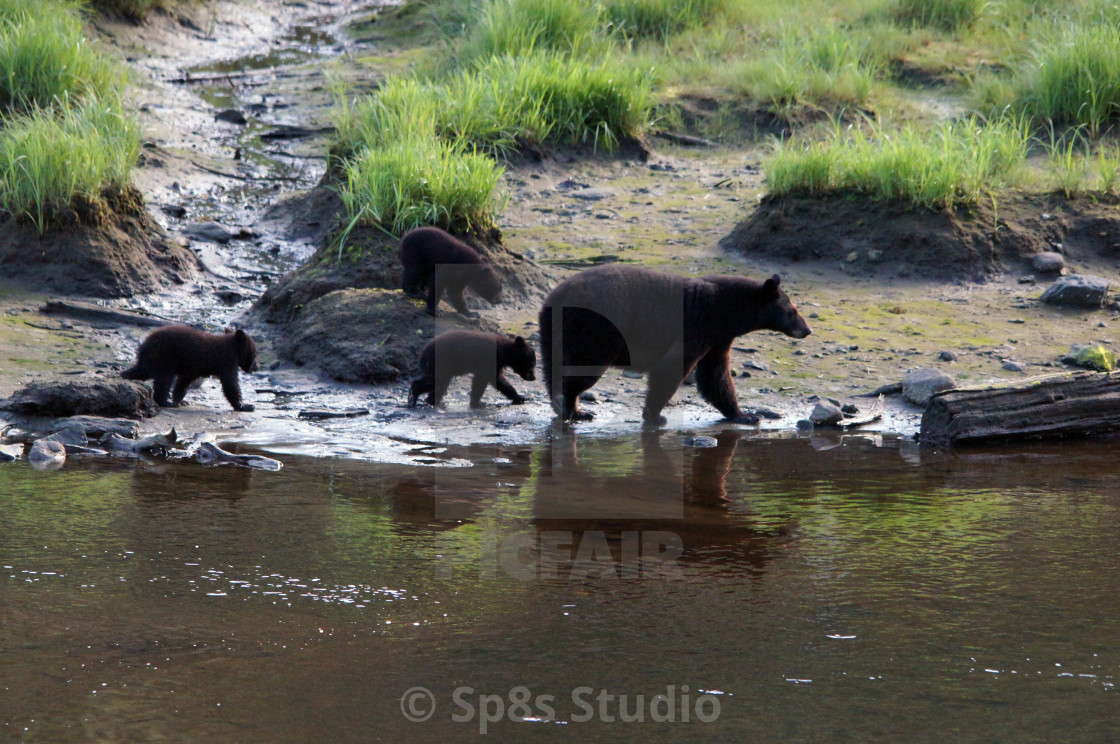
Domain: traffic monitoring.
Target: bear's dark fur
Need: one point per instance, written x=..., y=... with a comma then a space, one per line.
x=425, y=250
x=485, y=355
x=626, y=316
x=181, y=355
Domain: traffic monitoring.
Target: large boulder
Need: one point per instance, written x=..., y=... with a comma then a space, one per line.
x=83, y=395
x=1079, y=290
x=365, y=335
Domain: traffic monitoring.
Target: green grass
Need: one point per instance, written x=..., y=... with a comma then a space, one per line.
x=420, y=180
x=45, y=56
x=658, y=19
x=516, y=27
x=950, y=15
x=65, y=134
x=827, y=67
x=50, y=156
x=955, y=164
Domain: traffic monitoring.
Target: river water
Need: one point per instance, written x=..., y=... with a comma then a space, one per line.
x=768, y=588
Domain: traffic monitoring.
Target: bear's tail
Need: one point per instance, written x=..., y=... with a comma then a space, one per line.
x=135, y=373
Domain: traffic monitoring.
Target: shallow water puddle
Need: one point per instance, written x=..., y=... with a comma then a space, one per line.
x=847, y=588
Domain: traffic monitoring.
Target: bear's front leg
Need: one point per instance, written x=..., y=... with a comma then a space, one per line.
x=713, y=380
x=503, y=387
x=232, y=391
x=455, y=297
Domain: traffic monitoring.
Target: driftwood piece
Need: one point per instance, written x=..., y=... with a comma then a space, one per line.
x=155, y=444
x=203, y=449
x=326, y=413
x=1080, y=404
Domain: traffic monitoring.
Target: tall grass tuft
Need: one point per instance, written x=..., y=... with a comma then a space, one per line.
x=949, y=15
x=1075, y=78
x=958, y=163
x=44, y=56
x=51, y=155
x=826, y=67
x=517, y=27
x=419, y=180
x=657, y=19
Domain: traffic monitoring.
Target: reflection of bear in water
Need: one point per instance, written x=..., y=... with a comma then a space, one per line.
x=485, y=355
x=627, y=316
x=181, y=354
x=425, y=250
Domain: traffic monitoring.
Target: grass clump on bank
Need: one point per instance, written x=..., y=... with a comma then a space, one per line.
x=50, y=157
x=421, y=180
x=1072, y=78
x=522, y=79
x=949, y=15
x=955, y=164
x=65, y=138
x=44, y=57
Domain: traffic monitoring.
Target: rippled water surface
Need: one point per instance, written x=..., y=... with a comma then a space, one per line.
x=767, y=588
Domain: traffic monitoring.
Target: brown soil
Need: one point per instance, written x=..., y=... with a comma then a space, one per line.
x=905, y=240
x=110, y=248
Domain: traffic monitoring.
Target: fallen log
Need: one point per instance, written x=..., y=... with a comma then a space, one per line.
x=1079, y=404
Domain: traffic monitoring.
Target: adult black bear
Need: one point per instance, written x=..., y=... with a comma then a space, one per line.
x=626, y=316
x=485, y=355
x=436, y=263
x=182, y=354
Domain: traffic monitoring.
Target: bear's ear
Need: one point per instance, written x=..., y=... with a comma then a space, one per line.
x=240, y=335
x=519, y=341
x=770, y=286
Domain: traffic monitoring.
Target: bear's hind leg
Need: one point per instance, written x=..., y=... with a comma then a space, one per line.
x=181, y=386
x=478, y=387
x=161, y=389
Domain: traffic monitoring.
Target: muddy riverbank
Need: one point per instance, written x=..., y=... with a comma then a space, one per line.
x=234, y=100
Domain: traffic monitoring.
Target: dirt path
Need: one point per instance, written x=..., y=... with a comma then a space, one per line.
x=271, y=64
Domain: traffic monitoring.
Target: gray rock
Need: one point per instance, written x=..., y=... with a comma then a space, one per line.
x=209, y=231
x=9, y=452
x=947, y=356
x=826, y=413
x=700, y=442
x=1079, y=290
x=1048, y=262
x=920, y=385
x=588, y=397
x=87, y=394
x=47, y=455
x=1013, y=366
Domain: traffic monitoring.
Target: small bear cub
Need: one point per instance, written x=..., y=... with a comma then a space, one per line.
x=485, y=355
x=436, y=263
x=181, y=354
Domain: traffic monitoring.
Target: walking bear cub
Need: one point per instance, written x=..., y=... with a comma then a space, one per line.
x=485, y=355
x=436, y=263
x=181, y=355
x=666, y=325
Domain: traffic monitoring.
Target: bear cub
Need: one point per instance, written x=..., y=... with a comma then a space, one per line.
x=181, y=355
x=436, y=263
x=485, y=355
x=662, y=324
